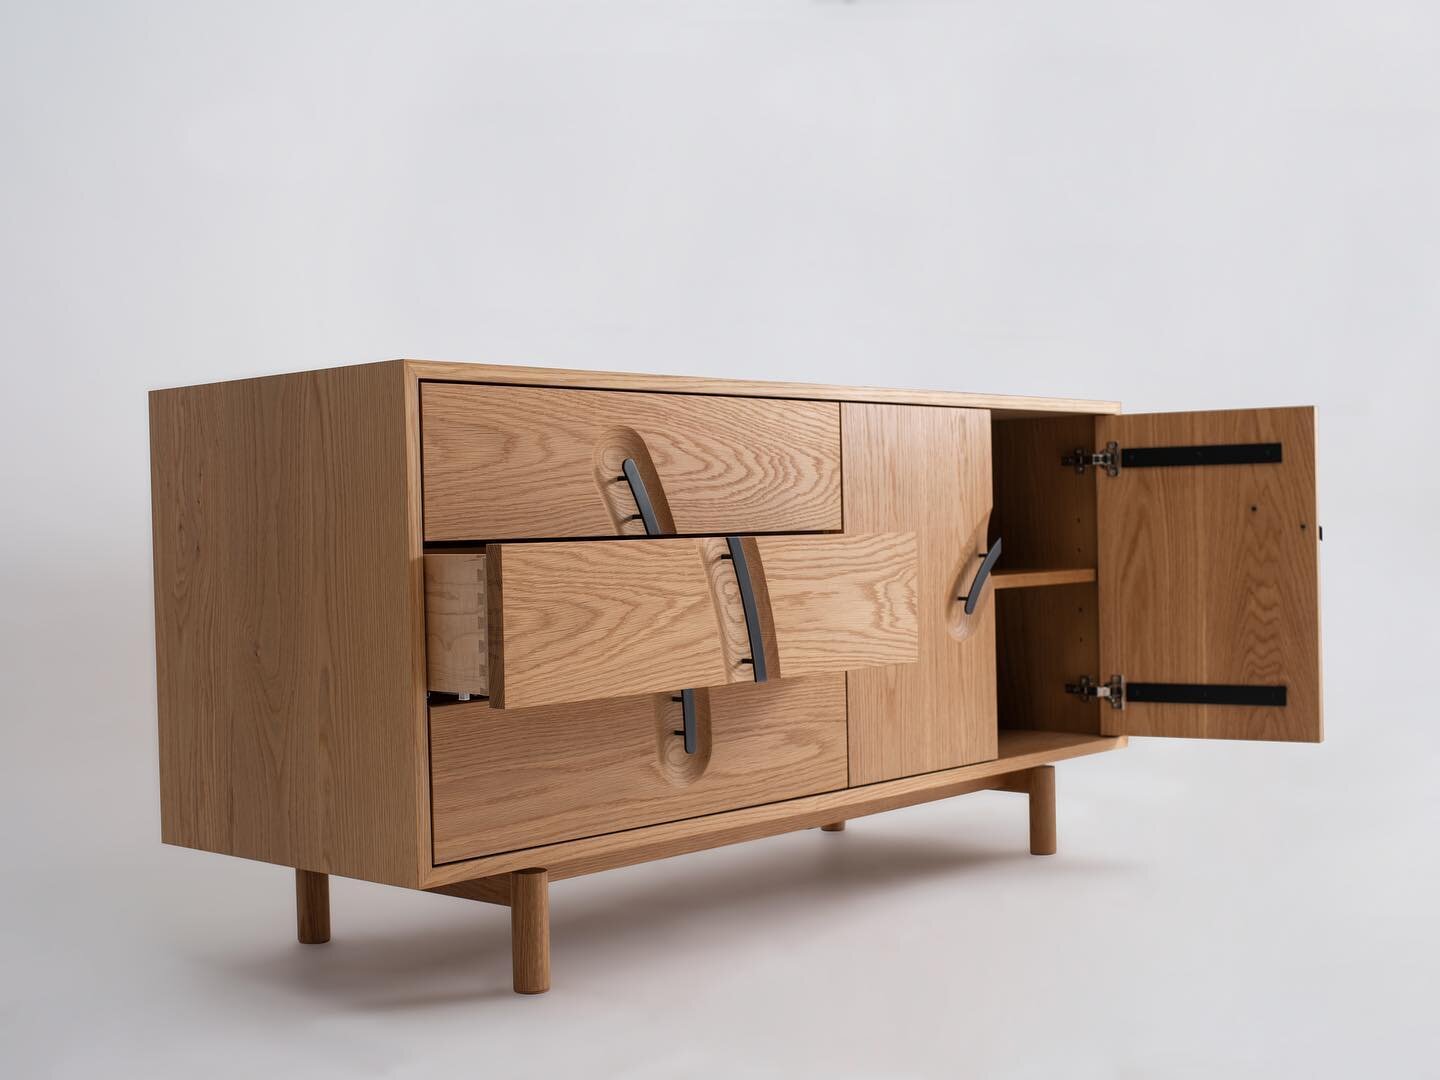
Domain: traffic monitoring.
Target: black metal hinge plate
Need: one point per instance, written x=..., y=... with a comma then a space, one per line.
x=1155, y=457
x=1204, y=694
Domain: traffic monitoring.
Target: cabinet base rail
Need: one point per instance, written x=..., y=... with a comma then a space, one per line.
x=526, y=892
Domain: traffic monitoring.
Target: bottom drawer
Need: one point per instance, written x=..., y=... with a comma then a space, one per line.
x=503, y=779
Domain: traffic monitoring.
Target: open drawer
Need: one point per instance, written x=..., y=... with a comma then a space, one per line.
x=543, y=623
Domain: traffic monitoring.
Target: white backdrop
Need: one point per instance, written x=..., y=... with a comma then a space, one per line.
x=1182, y=205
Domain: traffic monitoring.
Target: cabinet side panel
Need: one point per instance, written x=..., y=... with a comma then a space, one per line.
x=925, y=470
x=289, y=650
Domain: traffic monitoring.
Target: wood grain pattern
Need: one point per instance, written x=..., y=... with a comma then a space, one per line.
x=1017, y=750
x=585, y=620
x=840, y=601
x=525, y=463
x=486, y=890
x=925, y=470
x=1042, y=810
x=506, y=779
x=1044, y=511
x=1033, y=579
x=1046, y=638
x=1003, y=405
x=312, y=907
x=530, y=930
x=1210, y=575
x=290, y=647
x=455, y=621
x=588, y=619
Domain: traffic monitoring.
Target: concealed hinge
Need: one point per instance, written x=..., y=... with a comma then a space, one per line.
x=1087, y=689
x=1108, y=459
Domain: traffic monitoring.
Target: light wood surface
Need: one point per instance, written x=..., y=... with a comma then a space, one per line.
x=487, y=890
x=1209, y=574
x=1042, y=810
x=1004, y=405
x=507, y=778
x=1046, y=638
x=580, y=620
x=312, y=907
x=522, y=463
x=840, y=602
x=577, y=621
x=1017, y=750
x=925, y=470
x=289, y=636
x=1044, y=511
x=530, y=930
x=1032, y=579
x=455, y=622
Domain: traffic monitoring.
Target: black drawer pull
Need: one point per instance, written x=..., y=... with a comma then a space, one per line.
x=641, y=497
x=972, y=597
x=747, y=600
x=687, y=710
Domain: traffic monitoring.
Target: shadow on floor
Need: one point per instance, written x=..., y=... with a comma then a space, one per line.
x=457, y=952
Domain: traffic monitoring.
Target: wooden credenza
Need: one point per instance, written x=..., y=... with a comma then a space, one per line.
x=471, y=629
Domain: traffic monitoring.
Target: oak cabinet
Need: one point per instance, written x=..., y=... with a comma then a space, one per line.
x=472, y=629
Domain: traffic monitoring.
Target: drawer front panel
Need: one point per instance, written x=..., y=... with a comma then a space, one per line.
x=520, y=463
x=503, y=779
x=541, y=624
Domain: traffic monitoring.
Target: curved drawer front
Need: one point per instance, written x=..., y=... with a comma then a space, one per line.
x=503, y=779
x=541, y=624
x=525, y=463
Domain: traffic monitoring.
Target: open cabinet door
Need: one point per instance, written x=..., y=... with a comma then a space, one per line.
x=1208, y=574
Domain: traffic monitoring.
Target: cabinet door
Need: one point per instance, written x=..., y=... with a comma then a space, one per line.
x=925, y=470
x=580, y=620
x=1208, y=575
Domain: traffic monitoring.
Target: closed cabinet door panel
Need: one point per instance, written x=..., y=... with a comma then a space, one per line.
x=543, y=623
x=504, y=779
x=926, y=470
x=1208, y=575
x=509, y=462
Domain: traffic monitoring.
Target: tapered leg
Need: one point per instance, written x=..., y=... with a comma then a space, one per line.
x=312, y=907
x=530, y=930
x=1042, y=810
x=834, y=826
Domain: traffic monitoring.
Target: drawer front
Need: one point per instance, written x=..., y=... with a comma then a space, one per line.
x=503, y=779
x=541, y=624
x=518, y=463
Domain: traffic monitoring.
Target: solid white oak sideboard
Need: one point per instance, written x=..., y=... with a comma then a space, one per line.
x=473, y=629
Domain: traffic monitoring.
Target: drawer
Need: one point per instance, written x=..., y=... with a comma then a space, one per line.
x=516, y=463
x=544, y=623
x=503, y=779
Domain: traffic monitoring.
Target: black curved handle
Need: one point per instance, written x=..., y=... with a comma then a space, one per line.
x=972, y=597
x=747, y=601
x=641, y=496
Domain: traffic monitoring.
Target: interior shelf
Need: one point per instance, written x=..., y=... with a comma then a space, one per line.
x=1026, y=579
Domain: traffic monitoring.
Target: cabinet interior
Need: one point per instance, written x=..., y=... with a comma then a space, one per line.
x=1047, y=622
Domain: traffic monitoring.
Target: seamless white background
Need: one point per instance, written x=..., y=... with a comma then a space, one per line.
x=1184, y=205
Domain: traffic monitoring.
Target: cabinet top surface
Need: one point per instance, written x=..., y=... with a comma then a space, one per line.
x=1003, y=404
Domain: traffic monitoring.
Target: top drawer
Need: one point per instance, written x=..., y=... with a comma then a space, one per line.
x=515, y=463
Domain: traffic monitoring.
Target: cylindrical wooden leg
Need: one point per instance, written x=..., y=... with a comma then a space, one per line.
x=1042, y=810
x=834, y=826
x=530, y=930
x=312, y=907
